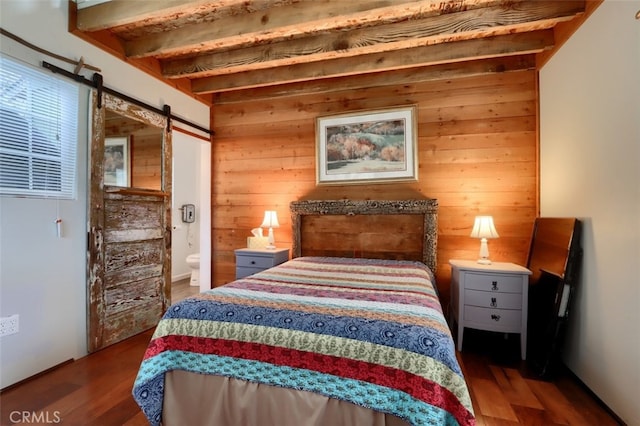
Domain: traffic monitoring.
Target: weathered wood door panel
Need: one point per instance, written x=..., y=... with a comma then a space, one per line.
x=129, y=257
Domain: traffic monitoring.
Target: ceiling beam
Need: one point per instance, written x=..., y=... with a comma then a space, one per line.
x=290, y=22
x=116, y=13
x=400, y=77
x=464, y=25
x=504, y=45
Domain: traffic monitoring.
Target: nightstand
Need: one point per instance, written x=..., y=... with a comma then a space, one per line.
x=251, y=261
x=490, y=297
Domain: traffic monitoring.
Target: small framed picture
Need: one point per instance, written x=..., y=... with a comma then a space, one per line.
x=116, y=162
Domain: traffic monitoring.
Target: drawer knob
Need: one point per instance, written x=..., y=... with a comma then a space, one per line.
x=253, y=262
x=494, y=302
x=495, y=317
x=494, y=285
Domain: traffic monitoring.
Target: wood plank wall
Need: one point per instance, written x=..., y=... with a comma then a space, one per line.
x=477, y=142
x=146, y=160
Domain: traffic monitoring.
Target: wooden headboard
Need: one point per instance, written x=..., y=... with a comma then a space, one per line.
x=389, y=229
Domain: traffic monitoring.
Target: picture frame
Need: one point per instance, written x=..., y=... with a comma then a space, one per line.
x=117, y=162
x=367, y=147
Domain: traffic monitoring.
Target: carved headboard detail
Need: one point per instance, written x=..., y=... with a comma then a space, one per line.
x=391, y=236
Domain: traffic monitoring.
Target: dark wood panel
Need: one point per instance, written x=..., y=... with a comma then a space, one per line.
x=125, y=276
x=134, y=213
x=125, y=323
x=393, y=236
x=397, y=229
x=133, y=255
x=551, y=246
x=132, y=296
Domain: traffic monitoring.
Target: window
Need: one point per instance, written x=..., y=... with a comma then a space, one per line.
x=38, y=132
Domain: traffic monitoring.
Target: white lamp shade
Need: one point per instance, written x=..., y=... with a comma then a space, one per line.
x=484, y=228
x=270, y=219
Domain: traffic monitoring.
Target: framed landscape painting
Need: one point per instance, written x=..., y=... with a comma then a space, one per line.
x=367, y=147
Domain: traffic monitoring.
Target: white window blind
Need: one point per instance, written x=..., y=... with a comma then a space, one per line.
x=38, y=132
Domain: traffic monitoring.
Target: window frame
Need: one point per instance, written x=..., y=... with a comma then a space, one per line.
x=38, y=132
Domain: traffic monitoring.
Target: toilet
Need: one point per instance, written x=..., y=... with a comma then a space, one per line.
x=193, y=260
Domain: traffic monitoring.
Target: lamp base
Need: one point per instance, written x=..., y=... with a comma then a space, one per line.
x=271, y=241
x=483, y=258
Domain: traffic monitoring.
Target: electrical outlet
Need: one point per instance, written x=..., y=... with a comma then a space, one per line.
x=9, y=325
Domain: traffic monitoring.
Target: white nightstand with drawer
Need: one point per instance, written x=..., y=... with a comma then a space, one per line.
x=251, y=261
x=490, y=297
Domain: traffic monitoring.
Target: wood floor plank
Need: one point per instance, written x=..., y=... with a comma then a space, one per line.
x=480, y=368
x=556, y=404
x=532, y=416
x=183, y=289
x=515, y=388
x=110, y=393
x=122, y=413
x=492, y=421
x=491, y=399
x=590, y=406
x=138, y=420
x=42, y=394
x=472, y=395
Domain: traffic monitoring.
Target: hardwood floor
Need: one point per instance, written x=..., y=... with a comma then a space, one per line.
x=181, y=289
x=506, y=391
x=96, y=389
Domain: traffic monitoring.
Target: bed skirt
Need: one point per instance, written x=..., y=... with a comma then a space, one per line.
x=192, y=398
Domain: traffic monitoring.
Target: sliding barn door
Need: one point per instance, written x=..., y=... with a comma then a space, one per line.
x=129, y=256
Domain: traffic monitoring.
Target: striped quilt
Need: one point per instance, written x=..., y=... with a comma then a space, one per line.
x=366, y=331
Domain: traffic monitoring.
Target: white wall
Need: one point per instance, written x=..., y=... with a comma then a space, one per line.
x=589, y=168
x=185, y=238
x=43, y=278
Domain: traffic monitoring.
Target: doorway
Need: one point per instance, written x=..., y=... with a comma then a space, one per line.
x=191, y=185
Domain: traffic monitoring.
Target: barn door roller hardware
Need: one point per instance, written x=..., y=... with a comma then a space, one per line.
x=96, y=83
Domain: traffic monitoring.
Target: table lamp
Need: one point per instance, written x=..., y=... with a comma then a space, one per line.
x=270, y=221
x=483, y=228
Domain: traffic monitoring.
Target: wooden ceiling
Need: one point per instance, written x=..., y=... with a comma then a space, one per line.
x=230, y=50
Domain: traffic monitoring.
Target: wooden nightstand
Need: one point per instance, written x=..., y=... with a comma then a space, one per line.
x=251, y=261
x=490, y=297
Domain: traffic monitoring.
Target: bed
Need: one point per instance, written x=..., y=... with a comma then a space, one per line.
x=318, y=340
